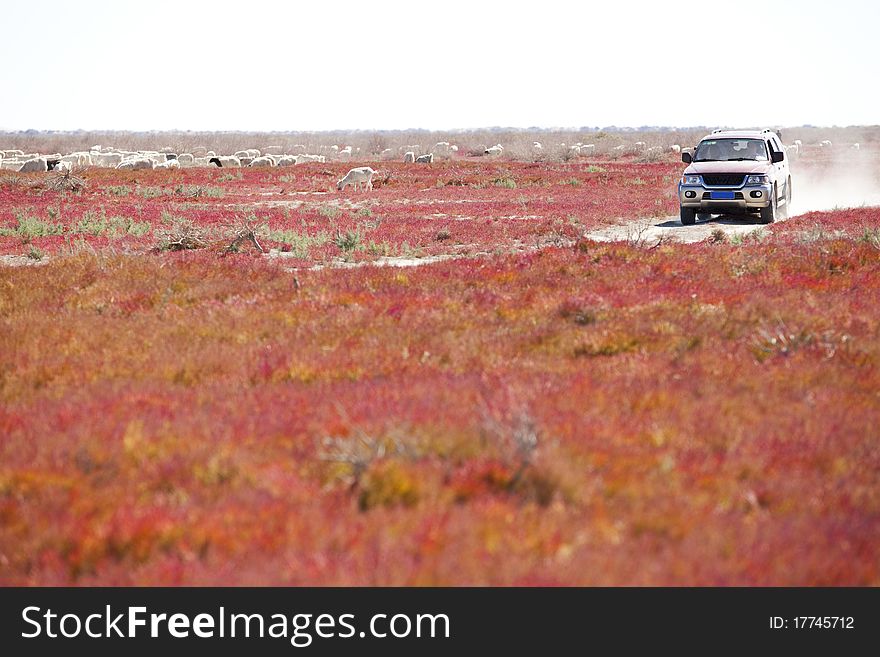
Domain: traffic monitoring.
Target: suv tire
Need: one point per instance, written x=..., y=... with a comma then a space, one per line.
x=688, y=216
x=768, y=214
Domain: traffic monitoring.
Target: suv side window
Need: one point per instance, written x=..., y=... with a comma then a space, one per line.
x=776, y=146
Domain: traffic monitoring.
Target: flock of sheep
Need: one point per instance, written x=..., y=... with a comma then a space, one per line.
x=166, y=158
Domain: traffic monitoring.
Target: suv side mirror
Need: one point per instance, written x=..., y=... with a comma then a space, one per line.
x=776, y=156
x=686, y=158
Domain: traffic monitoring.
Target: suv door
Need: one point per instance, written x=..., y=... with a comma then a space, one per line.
x=780, y=169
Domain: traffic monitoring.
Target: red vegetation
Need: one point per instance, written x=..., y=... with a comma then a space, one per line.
x=459, y=207
x=597, y=414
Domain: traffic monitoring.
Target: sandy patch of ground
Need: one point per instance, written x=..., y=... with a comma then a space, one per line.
x=670, y=229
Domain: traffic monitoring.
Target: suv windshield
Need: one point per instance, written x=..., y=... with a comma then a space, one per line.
x=730, y=150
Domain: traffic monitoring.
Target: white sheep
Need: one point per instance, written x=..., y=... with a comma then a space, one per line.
x=356, y=177
x=106, y=159
x=675, y=148
x=303, y=159
x=425, y=159
x=285, y=161
x=63, y=166
x=409, y=156
x=345, y=153
x=186, y=159
x=442, y=149
x=855, y=146
x=168, y=164
x=263, y=161
x=135, y=163
x=825, y=143
x=536, y=146
x=494, y=151
x=387, y=154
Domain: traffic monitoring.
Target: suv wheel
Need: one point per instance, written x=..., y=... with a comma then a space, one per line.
x=768, y=214
x=688, y=216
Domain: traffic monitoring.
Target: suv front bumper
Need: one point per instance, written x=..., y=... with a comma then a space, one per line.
x=747, y=197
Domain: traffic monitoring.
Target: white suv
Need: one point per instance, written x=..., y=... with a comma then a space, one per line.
x=735, y=171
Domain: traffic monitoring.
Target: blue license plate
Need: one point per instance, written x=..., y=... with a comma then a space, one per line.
x=723, y=196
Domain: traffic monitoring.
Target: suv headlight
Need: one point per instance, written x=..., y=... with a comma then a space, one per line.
x=691, y=180
x=757, y=180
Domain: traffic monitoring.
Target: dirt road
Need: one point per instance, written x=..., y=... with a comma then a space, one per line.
x=650, y=231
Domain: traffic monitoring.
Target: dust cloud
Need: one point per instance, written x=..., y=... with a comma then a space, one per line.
x=849, y=179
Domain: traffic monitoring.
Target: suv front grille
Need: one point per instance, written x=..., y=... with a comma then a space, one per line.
x=723, y=179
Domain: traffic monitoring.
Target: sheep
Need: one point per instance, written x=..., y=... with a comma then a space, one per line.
x=224, y=161
x=442, y=149
x=13, y=153
x=168, y=164
x=107, y=159
x=639, y=145
x=453, y=149
x=409, y=156
x=855, y=146
x=387, y=154
x=79, y=159
x=185, y=159
x=792, y=150
x=675, y=148
x=135, y=163
x=263, y=161
x=536, y=146
x=34, y=164
x=425, y=159
x=825, y=143
x=241, y=154
x=285, y=161
x=303, y=159
x=797, y=142
x=345, y=153
x=356, y=177
x=63, y=166
x=494, y=151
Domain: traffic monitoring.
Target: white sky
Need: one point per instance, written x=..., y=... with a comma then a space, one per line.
x=384, y=64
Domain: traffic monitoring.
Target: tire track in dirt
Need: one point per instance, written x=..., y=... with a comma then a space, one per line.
x=670, y=229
